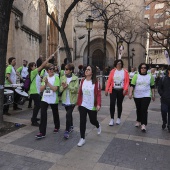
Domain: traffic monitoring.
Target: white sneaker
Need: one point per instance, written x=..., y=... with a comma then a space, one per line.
x=118, y=121
x=137, y=124
x=111, y=123
x=99, y=130
x=81, y=142
x=143, y=128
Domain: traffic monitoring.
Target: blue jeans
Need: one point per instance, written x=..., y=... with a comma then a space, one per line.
x=165, y=111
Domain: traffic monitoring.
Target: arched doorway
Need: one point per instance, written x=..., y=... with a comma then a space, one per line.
x=98, y=58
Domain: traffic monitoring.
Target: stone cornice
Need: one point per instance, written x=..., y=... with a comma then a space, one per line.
x=31, y=32
x=17, y=11
x=23, y=27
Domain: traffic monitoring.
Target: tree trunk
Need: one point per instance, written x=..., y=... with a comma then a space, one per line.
x=105, y=38
x=128, y=45
x=5, y=11
x=67, y=49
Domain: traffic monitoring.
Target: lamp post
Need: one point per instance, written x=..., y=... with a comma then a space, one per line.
x=133, y=54
x=145, y=57
x=89, y=26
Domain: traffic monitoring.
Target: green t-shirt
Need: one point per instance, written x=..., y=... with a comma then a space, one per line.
x=49, y=96
x=19, y=69
x=10, y=70
x=35, y=82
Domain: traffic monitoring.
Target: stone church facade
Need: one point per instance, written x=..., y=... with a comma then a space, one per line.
x=32, y=34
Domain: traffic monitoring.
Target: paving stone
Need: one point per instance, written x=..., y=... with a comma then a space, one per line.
x=152, y=116
x=15, y=162
x=54, y=143
x=127, y=154
x=153, y=131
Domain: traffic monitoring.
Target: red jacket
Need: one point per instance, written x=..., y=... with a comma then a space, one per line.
x=110, y=84
x=97, y=94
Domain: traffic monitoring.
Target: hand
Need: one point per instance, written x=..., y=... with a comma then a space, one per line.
x=46, y=81
x=64, y=85
x=153, y=98
x=124, y=92
x=98, y=108
x=130, y=95
x=106, y=93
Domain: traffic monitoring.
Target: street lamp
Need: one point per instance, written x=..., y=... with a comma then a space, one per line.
x=133, y=54
x=89, y=26
x=146, y=60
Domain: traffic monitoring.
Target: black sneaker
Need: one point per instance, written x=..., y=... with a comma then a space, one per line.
x=55, y=130
x=163, y=126
x=6, y=113
x=35, y=124
x=40, y=136
x=37, y=119
x=17, y=108
x=66, y=134
x=71, y=129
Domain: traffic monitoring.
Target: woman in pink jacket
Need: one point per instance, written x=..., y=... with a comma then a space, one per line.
x=117, y=86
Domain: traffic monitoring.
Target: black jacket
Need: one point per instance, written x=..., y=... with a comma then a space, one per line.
x=164, y=89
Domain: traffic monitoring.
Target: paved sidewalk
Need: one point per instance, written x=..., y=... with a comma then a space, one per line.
x=121, y=147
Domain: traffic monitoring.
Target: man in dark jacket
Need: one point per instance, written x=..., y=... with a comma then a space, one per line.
x=164, y=92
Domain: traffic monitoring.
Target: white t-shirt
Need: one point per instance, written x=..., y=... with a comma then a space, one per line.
x=24, y=72
x=88, y=94
x=142, y=87
x=49, y=96
x=162, y=73
x=118, y=79
x=157, y=73
x=13, y=76
x=131, y=74
x=67, y=102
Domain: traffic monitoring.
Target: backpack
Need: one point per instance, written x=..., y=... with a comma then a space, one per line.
x=27, y=83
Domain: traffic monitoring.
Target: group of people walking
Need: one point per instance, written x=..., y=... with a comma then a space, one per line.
x=87, y=95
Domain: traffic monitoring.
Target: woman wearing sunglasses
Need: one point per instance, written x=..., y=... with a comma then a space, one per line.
x=142, y=89
x=49, y=87
x=89, y=102
x=69, y=89
x=34, y=90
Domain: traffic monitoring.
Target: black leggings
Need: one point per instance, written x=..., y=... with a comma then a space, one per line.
x=69, y=117
x=142, y=105
x=37, y=99
x=116, y=95
x=83, y=118
x=43, y=122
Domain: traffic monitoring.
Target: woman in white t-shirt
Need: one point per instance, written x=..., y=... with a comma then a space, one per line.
x=69, y=89
x=34, y=90
x=142, y=86
x=89, y=102
x=131, y=74
x=49, y=87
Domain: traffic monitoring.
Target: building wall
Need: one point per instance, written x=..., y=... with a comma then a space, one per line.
x=155, y=51
x=21, y=44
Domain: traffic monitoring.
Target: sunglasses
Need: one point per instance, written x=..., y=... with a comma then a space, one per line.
x=51, y=69
x=143, y=67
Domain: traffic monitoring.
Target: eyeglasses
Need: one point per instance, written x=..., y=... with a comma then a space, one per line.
x=143, y=67
x=88, y=69
x=51, y=69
